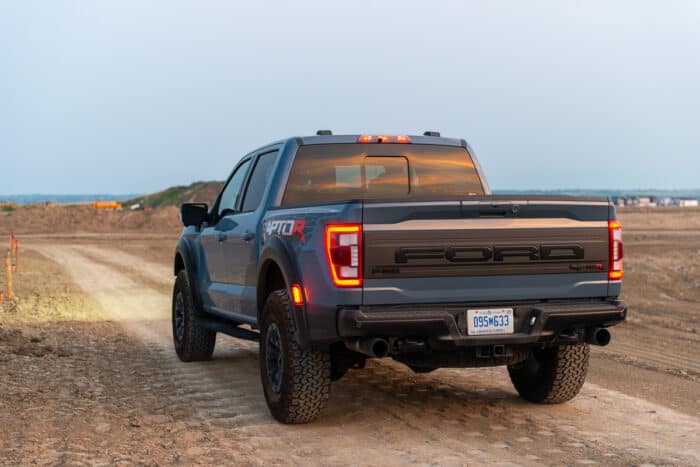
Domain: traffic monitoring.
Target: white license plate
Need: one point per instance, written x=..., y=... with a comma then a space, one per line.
x=490, y=321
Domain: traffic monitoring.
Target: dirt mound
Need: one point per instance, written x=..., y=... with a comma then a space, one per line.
x=162, y=215
x=203, y=192
x=83, y=218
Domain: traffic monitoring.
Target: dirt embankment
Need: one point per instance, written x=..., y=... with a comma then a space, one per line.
x=162, y=215
x=59, y=219
x=83, y=218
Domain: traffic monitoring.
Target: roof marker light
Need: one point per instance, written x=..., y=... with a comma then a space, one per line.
x=399, y=139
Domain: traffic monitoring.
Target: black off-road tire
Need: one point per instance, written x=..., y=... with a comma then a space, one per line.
x=552, y=375
x=304, y=384
x=192, y=342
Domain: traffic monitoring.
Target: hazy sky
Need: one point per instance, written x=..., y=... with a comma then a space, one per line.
x=134, y=96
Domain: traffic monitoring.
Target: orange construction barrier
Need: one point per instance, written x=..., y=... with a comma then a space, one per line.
x=8, y=271
x=15, y=265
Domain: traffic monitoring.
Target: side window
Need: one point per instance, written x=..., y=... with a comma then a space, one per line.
x=233, y=188
x=258, y=181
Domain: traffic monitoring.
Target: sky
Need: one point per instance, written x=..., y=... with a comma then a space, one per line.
x=133, y=96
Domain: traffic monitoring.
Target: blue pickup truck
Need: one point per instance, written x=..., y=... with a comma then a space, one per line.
x=331, y=249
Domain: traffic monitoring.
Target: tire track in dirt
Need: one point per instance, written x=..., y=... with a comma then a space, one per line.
x=656, y=357
x=655, y=348
x=385, y=415
x=152, y=275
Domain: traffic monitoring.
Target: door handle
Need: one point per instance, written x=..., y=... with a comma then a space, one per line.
x=222, y=237
x=248, y=236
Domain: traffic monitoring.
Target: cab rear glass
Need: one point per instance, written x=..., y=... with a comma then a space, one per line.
x=324, y=173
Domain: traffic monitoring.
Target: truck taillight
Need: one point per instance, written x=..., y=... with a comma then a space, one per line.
x=615, y=251
x=344, y=254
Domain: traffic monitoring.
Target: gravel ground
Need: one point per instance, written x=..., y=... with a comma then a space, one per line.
x=90, y=377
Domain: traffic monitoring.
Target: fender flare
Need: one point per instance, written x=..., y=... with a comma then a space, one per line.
x=277, y=252
x=184, y=251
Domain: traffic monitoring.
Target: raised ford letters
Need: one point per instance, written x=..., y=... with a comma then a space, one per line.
x=472, y=254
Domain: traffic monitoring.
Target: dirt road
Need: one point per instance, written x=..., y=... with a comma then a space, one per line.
x=121, y=395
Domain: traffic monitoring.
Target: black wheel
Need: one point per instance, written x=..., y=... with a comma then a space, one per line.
x=552, y=375
x=192, y=342
x=296, y=382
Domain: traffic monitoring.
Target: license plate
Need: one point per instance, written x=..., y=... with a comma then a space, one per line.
x=490, y=321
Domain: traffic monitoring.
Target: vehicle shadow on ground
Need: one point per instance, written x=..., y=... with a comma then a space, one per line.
x=385, y=406
x=383, y=390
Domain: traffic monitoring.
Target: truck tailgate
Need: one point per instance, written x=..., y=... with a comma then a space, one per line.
x=488, y=249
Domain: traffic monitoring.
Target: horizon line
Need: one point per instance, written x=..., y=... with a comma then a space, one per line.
x=133, y=194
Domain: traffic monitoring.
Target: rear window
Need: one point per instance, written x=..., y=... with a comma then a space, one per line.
x=336, y=172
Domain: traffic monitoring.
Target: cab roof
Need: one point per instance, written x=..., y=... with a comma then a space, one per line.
x=352, y=139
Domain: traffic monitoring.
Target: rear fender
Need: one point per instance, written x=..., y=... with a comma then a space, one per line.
x=277, y=252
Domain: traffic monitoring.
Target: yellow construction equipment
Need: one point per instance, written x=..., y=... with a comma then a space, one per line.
x=107, y=205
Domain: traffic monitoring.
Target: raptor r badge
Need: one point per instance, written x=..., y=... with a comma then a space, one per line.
x=285, y=228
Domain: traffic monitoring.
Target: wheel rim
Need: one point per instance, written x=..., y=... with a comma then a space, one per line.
x=179, y=316
x=274, y=357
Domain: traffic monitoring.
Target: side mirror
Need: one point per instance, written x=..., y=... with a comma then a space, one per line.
x=193, y=213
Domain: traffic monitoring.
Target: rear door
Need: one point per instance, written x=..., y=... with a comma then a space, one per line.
x=240, y=245
x=484, y=249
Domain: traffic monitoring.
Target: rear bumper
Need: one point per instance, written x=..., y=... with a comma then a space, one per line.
x=446, y=323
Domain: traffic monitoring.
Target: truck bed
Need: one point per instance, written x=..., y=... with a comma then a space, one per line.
x=490, y=248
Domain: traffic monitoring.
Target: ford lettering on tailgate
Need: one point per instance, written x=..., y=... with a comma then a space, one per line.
x=469, y=254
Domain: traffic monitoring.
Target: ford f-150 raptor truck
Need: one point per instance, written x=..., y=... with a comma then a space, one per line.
x=331, y=249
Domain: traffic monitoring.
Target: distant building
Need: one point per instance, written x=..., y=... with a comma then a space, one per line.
x=654, y=201
x=618, y=200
